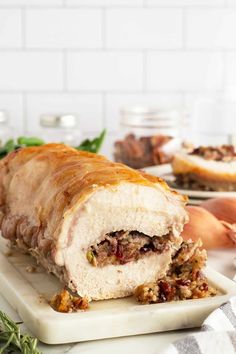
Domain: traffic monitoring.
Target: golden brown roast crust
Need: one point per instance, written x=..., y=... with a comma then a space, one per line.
x=88, y=168
x=47, y=181
x=84, y=168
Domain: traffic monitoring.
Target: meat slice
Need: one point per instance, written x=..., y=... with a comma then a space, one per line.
x=55, y=202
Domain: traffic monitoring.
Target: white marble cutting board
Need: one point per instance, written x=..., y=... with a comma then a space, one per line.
x=27, y=293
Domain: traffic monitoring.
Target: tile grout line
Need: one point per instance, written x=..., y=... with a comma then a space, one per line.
x=143, y=4
x=23, y=29
x=24, y=95
x=64, y=71
x=183, y=100
x=103, y=29
x=184, y=28
x=104, y=117
x=113, y=92
x=117, y=6
x=224, y=60
x=24, y=111
x=118, y=50
x=144, y=68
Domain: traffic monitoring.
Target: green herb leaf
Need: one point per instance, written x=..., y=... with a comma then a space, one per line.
x=9, y=145
x=92, y=145
x=12, y=340
x=30, y=141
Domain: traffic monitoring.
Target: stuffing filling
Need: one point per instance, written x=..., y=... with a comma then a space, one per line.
x=186, y=181
x=194, y=182
x=225, y=153
x=121, y=247
x=183, y=281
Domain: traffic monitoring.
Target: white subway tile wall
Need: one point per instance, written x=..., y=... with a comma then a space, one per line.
x=63, y=28
x=22, y=70
x=105, y=71
x=92, y=57
x=105, y=2
x=186, y=2
x=212, y=28
x=10, y=28
x=30, y=2
x=144, y=28
x=184, y=71
x=230, y=73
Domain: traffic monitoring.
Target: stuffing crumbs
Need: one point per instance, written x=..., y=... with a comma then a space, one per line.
x=66, y=302
x=225, y=153
x=31, y=269
x=183, y=281
x=8, y=253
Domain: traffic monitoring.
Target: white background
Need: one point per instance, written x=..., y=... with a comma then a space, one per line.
x=95, y=56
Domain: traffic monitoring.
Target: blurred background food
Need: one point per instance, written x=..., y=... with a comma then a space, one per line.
x=146, y=133
x=142, y=152
x=223, y=208
x=206, y=168
x=214, y=232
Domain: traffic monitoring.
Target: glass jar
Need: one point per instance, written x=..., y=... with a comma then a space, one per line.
x=5, y=131
x=144, y=121
x=213, y=120
x=149, y=136
x=60, y=129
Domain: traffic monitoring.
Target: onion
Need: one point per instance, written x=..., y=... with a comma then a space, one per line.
x=213, y=233
x=222, y=208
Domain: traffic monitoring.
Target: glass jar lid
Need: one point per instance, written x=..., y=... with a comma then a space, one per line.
x=151, y=117
x=59, y=121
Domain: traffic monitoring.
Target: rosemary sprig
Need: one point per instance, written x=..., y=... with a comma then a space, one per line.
x=11, y=340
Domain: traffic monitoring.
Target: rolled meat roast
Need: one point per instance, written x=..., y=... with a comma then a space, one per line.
x=99, y=226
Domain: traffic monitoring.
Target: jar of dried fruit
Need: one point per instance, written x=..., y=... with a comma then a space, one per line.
x=149, y=136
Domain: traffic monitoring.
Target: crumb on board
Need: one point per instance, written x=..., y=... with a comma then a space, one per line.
x=64, y=301
x=31, y=269
x=8, y=253
x=42, y=299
